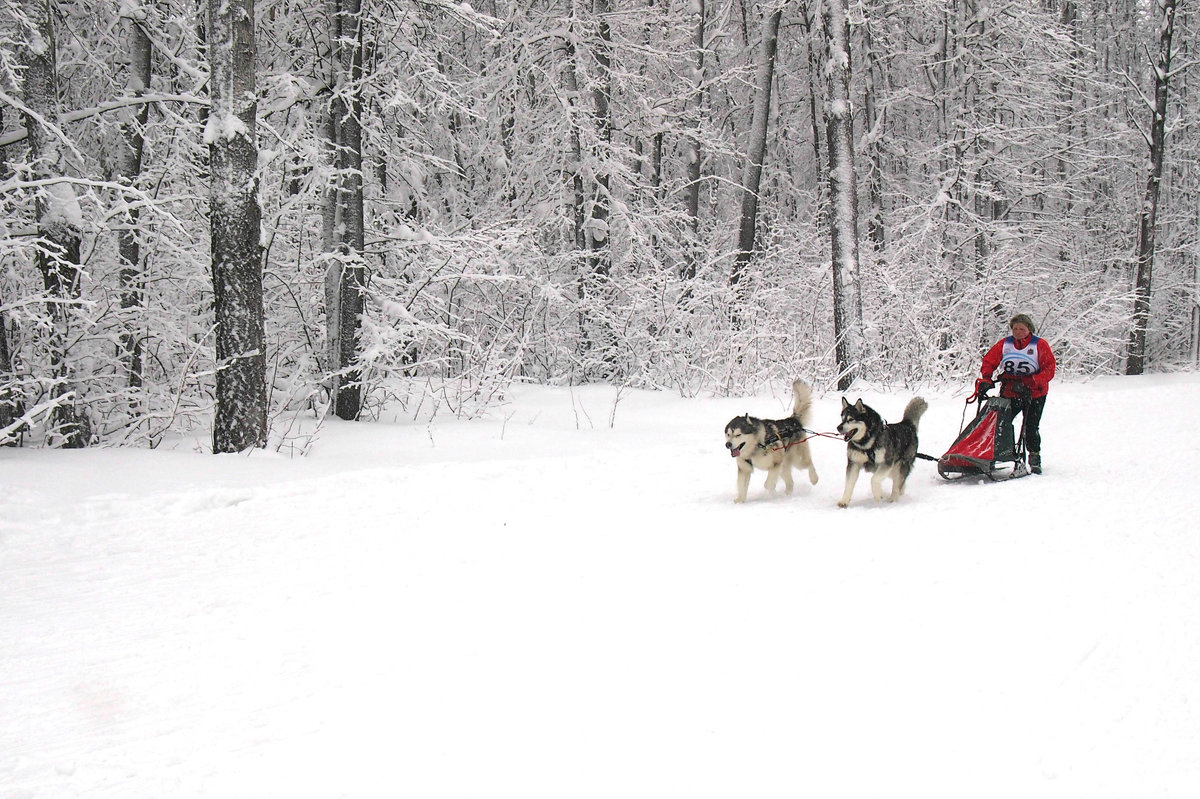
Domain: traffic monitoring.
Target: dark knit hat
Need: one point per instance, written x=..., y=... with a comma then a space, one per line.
x=1022, y=319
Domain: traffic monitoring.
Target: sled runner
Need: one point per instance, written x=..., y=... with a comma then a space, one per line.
x=987, y=447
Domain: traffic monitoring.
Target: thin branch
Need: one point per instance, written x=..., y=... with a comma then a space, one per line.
x=20, y=134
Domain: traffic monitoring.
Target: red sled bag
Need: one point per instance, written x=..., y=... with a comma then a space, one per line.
x=987, y=447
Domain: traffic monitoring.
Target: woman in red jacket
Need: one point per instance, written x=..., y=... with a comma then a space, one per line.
x=1025, y=365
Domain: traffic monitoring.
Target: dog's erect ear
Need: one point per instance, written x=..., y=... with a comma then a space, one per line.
x=858, y=405
x=845, y=403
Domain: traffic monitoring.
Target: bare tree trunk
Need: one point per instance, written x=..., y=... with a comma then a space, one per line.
x=575, y=178
x=578, y=209
x=756, y=146
x=815, y=102
x=241, y=415
x=599, y=253
x=345, y=220
x=10, y=401
x=843, y=197
x=1136, y=361
x=58, y=216
x=656, y=166
x=1069, y=19
x=331, y=248
x=129, y=167
x=874, y=122
x=599, y=240
x=694, y=152
x=591, y=199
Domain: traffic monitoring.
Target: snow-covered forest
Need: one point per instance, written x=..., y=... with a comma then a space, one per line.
x=237, y=214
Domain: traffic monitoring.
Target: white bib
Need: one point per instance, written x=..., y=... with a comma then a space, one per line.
x=1020, y=362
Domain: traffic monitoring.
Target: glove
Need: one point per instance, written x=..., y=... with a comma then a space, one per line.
x=1023, y=392
x=982, y=387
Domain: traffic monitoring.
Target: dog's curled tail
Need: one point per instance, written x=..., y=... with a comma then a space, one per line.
x=803, y=401
x=916, y=407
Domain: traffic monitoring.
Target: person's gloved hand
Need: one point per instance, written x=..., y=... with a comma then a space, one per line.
x=982, y=387
x=1023, y=392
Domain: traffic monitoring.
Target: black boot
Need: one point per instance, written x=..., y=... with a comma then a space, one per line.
x=1035, y=462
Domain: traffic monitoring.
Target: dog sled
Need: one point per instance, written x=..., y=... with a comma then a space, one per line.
x=987, y=448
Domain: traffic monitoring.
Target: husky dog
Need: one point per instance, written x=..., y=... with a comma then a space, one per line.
x=886, y=450
x=776, y=445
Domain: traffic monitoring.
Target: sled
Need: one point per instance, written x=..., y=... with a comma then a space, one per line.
x=987, y=448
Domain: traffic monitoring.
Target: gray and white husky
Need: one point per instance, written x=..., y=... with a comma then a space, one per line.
x=886, y=450
x=776, y=445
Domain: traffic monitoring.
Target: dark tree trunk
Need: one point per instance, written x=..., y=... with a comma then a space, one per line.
x=815, y=101
x=874, y=122
x=129, y=167
x=592, y=199
x=10, y=401
x=1136, y=362
x=694, y=152
x=599, y=253
x=241, y=415
x=756, y=146
x=574, y=176
x=347, y=279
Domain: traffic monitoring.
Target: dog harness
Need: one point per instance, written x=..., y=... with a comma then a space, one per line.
x=781, y=429
x=866, y=448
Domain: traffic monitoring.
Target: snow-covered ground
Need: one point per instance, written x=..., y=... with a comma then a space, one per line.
x=564, y=601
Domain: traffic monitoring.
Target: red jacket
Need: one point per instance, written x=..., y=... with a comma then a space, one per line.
x=1038, y=380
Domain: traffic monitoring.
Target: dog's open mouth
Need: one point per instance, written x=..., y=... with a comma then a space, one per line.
x=735, y=451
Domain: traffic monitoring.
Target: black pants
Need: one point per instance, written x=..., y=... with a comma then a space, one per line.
x=1033, y=422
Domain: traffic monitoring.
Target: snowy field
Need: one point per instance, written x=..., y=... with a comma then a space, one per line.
x=563, y=601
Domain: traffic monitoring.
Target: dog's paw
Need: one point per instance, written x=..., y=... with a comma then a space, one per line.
x=843, y=503
x=739, y=500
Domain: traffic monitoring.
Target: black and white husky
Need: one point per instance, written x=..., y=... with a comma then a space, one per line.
x=886, y=450
x=776, y=445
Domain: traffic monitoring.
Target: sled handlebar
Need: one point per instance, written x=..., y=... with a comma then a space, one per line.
x=982, y=388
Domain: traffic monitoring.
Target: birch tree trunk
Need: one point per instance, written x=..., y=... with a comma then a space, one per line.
x=843, y=197
x=59, y=217
x=241, y=415
x=129, y=167
x=346, y=224
x=1157, y=140
x=756, y=145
